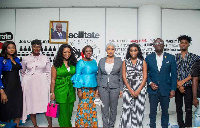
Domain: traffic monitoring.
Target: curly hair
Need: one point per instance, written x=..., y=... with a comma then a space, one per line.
x=184, y=37
x=87, y=46
x=128, y=55
x=36, y=42
x=4, y=49
x=59, y=57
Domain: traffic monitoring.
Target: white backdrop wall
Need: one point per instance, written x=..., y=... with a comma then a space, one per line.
x=7, y=20
x=182, y=22
x=34, y=24
x=121, y=23
x=117, y=25
x=121, y=28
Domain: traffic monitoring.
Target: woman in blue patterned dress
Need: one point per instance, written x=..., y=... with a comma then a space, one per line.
x=85, y=82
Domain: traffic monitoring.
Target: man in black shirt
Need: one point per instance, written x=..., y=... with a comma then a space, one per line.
x=196, y=91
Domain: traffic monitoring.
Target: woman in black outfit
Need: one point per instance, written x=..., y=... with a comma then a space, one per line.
x=10, y=85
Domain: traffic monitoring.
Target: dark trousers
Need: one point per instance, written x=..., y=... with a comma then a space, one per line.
x=188, y=107
x=164, y=103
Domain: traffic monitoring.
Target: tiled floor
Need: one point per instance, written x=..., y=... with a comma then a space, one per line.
x=42, y=122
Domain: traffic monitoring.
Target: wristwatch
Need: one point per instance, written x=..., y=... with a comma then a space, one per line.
x=51, y=94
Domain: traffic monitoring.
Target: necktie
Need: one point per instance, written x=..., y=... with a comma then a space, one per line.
x=60, y=36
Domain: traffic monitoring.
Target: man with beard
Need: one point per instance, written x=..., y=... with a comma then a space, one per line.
x=162, y=81
x=184, y=61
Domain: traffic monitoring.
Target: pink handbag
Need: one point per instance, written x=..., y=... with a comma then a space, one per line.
x=52, y=110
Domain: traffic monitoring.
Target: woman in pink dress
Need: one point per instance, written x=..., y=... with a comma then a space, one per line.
x=36, y=73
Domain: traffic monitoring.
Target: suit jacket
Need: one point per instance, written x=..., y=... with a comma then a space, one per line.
x=55, y=35
x=166, y=78
x=115, y=76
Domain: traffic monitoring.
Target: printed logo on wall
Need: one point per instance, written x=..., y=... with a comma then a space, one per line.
x=50, y=50
x=81, y=39
x=6, y=36
x=24, y=49
x=78, y=44
x=171, y=46
x=82, y=34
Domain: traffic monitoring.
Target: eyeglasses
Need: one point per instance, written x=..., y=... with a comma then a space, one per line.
x=157, y=43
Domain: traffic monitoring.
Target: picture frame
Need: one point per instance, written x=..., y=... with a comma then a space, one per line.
x=58, y=32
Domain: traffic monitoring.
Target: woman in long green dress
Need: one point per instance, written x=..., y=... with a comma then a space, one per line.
x=61, y=86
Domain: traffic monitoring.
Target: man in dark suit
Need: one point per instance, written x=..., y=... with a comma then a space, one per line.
x=58, y=33
x=162, y=81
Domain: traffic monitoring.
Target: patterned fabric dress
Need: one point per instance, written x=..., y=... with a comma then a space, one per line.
x=85, y=78
x=133, y=107
x=86, y=112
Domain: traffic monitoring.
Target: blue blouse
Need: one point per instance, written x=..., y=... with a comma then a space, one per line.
x=86, y=74
x=6, y=65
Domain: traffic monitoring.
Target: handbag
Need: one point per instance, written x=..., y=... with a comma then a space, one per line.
x=97, y=101
x=53, y=109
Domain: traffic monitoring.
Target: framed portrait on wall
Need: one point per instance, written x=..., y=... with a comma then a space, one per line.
x=58, y=32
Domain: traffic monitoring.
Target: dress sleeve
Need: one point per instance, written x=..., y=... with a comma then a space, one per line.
x=96, y=66
x=99, y=75
x=1, y=66
x=120, y=77
x=23, y=70
x=77, y=78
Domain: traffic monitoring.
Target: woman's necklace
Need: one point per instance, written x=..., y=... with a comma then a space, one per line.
x=110, y=60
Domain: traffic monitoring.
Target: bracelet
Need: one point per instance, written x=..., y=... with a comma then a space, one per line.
x=51, y=93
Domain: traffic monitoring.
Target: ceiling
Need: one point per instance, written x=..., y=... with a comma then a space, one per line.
x=175, y=4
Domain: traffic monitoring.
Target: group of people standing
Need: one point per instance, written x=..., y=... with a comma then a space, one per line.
x=29, y=96
x=165, y=75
